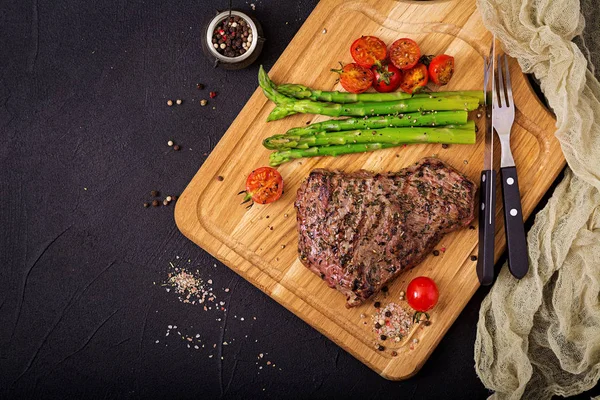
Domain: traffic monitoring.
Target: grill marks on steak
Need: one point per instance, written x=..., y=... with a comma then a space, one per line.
x=359, y=230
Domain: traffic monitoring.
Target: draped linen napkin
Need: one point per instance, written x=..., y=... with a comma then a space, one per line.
x=540, y=336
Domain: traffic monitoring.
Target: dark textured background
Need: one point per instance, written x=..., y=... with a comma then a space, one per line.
x=84, y=126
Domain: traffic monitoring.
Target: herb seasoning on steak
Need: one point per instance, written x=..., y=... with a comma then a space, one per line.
x=358, y=231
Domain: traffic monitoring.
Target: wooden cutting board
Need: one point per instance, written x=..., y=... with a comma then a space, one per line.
x=260, y=244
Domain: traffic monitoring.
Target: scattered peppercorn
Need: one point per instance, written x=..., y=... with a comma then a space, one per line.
x=165, y=202
x=173, y=198
x=146, y=205
x=377, y=304
x=154, y=193
x=436, y=253
x=169, y=103
x=178, y=101
x=380, y=348
x=170, y=143
x=444, y=146
x=220, y=178
x=199, y=86
x=471, y=227
x=377, y=325
x=212, y=95
x=155, y=203
x=203, y=102
x=473, y=258
x=169, y=198
x=427, y=323
x=388, y=314
x=384, y=289
x=394, y=353
x=176, y=147
x=271, y=228
x=383, y=337
x=283, y=246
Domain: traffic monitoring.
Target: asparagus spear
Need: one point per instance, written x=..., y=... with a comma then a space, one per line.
x=286, y=104
x=460, y=134
x=408, y=119
x=303, y=92
x=280, y=157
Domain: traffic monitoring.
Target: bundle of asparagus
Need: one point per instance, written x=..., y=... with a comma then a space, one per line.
x=389, y=119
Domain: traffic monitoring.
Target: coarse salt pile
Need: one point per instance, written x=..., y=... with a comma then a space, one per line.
x=392, y=322
x=189, y=287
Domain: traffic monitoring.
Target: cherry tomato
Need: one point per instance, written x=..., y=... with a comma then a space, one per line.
x=354, y=78
x=263, y=186
x=414, y=79
x=405, y=53
x=386, y=78
x=368, y=51
x=422, y=294
x=441, y=69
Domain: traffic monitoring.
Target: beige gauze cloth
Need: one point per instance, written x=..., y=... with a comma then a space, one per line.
x=540, y=336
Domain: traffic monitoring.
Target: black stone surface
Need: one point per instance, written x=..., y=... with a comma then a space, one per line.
x=84, y=128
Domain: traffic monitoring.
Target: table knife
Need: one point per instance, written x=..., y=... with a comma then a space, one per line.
x=487, y=187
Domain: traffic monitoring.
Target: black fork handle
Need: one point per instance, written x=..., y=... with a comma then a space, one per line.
x=487, y=227
x=516, y=241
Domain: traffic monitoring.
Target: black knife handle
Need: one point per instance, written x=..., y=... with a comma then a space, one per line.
x=487, y=227
x=516, y=242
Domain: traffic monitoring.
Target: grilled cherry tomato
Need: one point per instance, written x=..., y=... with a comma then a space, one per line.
x=422, y=295
x=354, y=78
x=441, y=69
x=368, y=51
x=386, y=78
x=414, y=79
x=405, y=53
x=263, y=186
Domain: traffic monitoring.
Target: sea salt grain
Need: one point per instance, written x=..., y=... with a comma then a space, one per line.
x=392, y=321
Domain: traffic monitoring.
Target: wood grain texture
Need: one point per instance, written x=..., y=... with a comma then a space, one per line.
x=209, y=213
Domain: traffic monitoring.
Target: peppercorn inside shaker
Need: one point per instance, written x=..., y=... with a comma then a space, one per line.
x=233, y=40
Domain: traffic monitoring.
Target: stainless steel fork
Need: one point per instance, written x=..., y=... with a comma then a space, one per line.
x=503, y=119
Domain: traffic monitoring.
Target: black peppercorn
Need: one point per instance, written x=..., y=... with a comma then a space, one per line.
x=146, y=205
x=384, y=289
x=155, y=203
x=377, y=304
x=436, y=253
x=377, y=325
x=444, y=146
x=383, y=337
x=199, y=85
x=380, y=348
x=473, y=258
x=154, y=193
x=388, y=314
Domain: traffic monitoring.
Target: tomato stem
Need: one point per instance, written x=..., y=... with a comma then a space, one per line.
x=247, y=198
x=417, y=317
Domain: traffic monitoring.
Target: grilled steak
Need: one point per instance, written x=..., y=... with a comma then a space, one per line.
x=359, y=230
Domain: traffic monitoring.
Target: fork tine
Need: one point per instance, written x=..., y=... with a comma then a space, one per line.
x=509, y=94
x=495, y=97
x=501, y=93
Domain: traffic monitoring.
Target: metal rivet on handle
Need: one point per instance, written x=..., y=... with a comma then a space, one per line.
x=483, y=178
x=510, y=181
x=514, y=212
x=482, y=206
